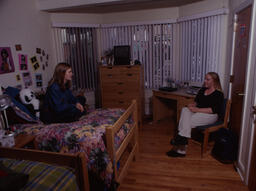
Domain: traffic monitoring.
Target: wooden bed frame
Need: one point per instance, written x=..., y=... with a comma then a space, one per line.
x=78, y=161
x=130, y=139
x=74, y=161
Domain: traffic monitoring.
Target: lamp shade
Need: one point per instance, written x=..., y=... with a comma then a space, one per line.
x=5, y=102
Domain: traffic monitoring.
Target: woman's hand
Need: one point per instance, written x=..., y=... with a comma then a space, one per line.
x=193, y=109
x=79, y=107
x=192, y=105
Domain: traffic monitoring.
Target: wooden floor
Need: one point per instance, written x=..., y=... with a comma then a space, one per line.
x=154, y=171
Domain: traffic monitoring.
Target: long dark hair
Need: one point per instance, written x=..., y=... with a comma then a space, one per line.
x=59, y=75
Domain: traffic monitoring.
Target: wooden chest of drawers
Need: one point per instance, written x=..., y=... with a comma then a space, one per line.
x=121, y=84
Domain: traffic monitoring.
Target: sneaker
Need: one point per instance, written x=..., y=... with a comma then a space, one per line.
x=179, y=140
x=173, y=153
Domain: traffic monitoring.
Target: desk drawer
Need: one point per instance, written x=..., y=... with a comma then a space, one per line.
x=166, y=95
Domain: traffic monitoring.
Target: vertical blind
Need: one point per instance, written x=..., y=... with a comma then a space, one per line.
x=76, y=46
x=151, y=44
x=199, y=42
x=200, y=47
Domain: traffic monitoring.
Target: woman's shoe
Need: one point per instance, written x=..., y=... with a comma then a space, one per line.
x=179, y=140
x=173, y=153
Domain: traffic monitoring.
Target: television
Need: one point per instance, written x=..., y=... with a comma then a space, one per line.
x=122, y=55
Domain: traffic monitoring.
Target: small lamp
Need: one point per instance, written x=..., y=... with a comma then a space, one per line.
x=5, y=102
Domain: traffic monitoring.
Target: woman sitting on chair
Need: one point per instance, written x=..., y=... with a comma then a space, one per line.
x=203, y=111
x=60, y=105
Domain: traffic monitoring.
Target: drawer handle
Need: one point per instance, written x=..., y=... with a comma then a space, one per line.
x=120, y=92
x=128, y=66
x=109, y=67
x=121, y=102
x=110, y=75
x=129, y=74
x=120, y=83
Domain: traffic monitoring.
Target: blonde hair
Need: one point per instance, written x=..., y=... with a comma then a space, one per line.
x=59, y=75
x=216, y=80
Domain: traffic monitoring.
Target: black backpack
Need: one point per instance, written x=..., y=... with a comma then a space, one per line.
x=226, y=146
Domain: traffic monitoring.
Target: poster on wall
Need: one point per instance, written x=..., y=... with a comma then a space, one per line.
x=6, y=61
x=39, y=80
x=23, y=61
x=18, y=77
x=27, y=79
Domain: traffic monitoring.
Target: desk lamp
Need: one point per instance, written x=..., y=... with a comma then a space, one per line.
x=5, y=102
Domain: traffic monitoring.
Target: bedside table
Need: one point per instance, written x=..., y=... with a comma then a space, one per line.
x=24, y=140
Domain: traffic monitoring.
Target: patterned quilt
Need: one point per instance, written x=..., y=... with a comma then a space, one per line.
x=43, y=176
x=85, y=135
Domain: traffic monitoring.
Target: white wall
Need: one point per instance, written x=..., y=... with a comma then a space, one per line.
x=143, y=15
x=22, y=23
x=202, y=6
x=76, y=18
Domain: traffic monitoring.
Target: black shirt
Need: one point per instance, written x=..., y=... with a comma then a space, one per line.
x=213, y=100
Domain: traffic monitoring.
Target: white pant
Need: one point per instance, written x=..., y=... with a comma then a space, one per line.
x=189, y=120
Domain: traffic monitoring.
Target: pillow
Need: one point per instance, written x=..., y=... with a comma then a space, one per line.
x=13, y=92
x=11, y=180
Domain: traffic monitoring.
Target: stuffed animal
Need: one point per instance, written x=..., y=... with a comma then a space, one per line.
x=28, y=98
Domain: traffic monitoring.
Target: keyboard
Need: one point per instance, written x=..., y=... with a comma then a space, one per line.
x=167, y=89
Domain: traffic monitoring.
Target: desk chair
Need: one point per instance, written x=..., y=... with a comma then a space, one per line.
x=222, y=122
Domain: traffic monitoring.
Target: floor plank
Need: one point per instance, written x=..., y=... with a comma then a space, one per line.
x=154, y=171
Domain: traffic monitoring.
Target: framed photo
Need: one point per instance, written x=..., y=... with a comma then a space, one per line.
x=18, y=77
x=27, y=79
x=33, y=59
x=18, y=47
x=6, y=61
x=36, y=66
x=38, y=50
x=23, y=61
x=39, y=80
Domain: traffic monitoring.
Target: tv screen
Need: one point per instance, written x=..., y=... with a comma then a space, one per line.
x=122, y=55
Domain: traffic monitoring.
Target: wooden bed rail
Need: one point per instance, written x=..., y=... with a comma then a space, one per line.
x=75, y=161
x=132, y=136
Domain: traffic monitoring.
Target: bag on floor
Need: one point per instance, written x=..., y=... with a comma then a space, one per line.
x=226, y=146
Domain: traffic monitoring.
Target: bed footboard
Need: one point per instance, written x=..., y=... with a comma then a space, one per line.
x=131, y=137
x=75, y=161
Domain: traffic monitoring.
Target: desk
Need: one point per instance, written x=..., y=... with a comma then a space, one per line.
x=161, y=109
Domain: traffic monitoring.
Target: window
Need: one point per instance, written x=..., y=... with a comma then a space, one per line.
x=200, y=47
x=151, y=44
x=76, y=47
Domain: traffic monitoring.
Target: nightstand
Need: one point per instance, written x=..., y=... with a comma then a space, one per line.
x=24, y=140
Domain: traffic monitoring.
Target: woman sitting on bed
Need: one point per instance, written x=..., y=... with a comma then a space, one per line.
x=203, y=111
x=60, y=106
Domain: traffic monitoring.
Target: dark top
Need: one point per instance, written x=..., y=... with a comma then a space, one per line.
x=60, y=105
x=213, y=100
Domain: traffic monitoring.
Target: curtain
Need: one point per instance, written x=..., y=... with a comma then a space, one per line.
x=77, y=46
x=200, y=47
x=151, y=44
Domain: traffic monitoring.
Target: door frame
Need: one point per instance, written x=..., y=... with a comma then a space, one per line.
x=247, y=125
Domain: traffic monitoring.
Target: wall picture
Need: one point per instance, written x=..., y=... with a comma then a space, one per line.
x=6, y=61
x=27, y=79
x=36, y=66
x=23, y=61
x=33, y=59
x=18, y=77
x=39, y=80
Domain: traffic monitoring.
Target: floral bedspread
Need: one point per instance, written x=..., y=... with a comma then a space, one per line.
x=85, y=135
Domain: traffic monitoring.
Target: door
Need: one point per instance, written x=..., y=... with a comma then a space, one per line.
x=240, y=65
x=252, y=175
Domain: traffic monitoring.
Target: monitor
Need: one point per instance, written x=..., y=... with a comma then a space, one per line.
x=122, y=55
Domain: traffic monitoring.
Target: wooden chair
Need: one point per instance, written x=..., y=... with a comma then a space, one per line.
x=222, y=122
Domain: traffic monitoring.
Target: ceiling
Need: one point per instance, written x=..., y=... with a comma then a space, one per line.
x=124, y=5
